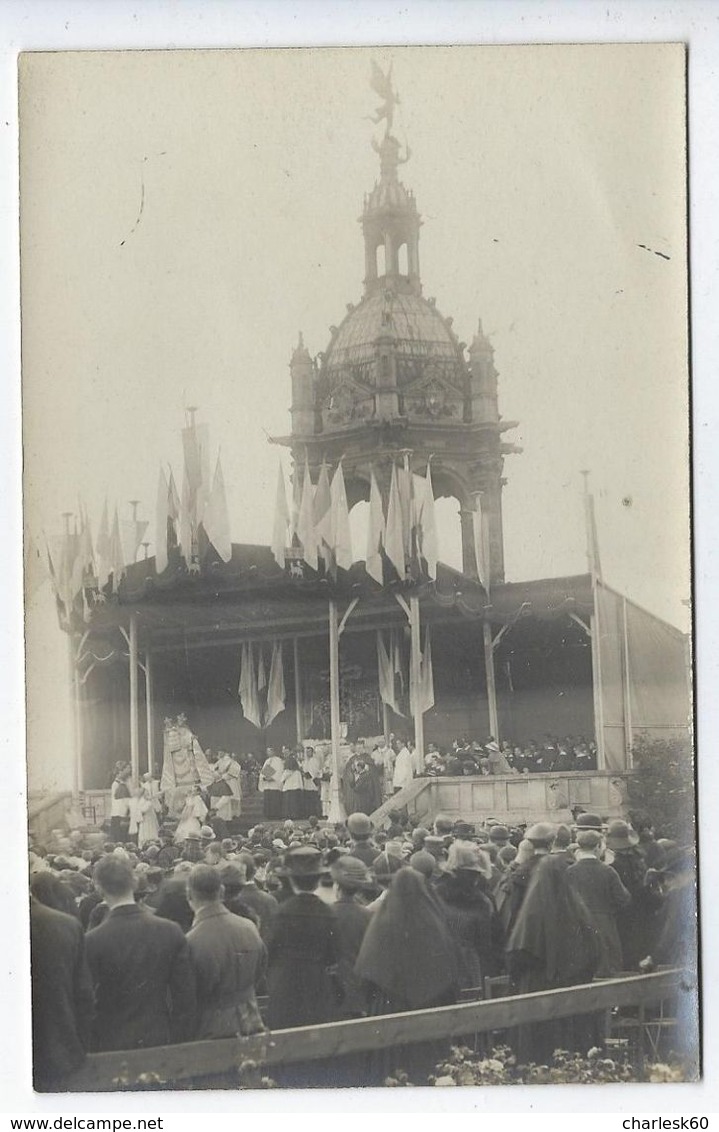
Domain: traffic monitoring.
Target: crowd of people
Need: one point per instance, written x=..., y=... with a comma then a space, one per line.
x=153, y=941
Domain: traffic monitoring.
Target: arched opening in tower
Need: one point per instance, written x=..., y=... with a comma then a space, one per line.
x=381, y=261
x=402, y=260
x=449, y=534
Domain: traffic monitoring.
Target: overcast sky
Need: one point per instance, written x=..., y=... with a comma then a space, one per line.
x=186, y=214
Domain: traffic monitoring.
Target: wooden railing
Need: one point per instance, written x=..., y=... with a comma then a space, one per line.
x=106, y=1072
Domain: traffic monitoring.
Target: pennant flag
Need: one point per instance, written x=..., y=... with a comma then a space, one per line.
x=185, y=525
x=394, y=540
x=280, y=538
x=404, y=488
x=323, y=517
x=397, y=666
x=117, y=560
x=162, y=518
x=103, y=550
x=247, y=690
x=386, y=675
x=426, y=679
x=276, y=686
x=174, y=508
x=261, y=671
x=306, y=522
x=480, y=545
x=375, y=532
x=216, y=519
x=428, y=527
x=427, y=674
x=340, y=538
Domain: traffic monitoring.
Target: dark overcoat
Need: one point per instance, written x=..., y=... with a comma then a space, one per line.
x=62, y=998
x=144, y=984
x=302, y=954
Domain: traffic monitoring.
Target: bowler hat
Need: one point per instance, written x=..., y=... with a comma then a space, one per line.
x=423, y=862
x=620, y=835
x=305, y=861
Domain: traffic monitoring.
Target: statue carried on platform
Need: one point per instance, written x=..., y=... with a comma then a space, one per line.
x=184, y=764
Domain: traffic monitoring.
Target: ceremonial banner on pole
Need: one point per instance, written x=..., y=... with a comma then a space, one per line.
x=249, y=697
x=375, y=533
x=305, y=521
x=394, y=540
x=280, y=539
x=103, y=550
x=216, y=520
x=386, y=674
x=323, y=517
x=341, y=539
x=276, y=686
x=428, y=527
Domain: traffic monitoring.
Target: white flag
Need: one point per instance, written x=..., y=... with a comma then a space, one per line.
x=216, y=520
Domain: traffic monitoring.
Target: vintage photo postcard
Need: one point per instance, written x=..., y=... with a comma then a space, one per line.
x=357, y=545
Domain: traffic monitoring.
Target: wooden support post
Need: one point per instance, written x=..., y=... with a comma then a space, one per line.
x=298, y=692
x=134, y=733
x=149, y=714
x=416, y=677
x=626, y=686
x=335, y=806
x=597, y=689
x=74, y=686
x=491, y=684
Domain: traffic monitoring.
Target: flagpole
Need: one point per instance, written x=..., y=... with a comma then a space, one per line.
x=298, y=704
x=77, y=776
x=491, y=682
x=134, y=734
x=149, y=714
x=594, y=625
x=416, y=661
x=335, y=807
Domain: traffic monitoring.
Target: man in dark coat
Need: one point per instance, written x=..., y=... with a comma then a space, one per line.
x=303, y=948
x=140, y=965
x=603, y=895
x=637, y=922
x=62, y=999
x=262, y=903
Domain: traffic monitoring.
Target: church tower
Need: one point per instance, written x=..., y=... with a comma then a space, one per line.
x=395, y=380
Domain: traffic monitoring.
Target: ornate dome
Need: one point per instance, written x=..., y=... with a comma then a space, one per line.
x=393, y=340
x=414, y=325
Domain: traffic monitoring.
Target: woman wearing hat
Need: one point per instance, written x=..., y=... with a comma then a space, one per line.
x=637, y=922
x=470, y=915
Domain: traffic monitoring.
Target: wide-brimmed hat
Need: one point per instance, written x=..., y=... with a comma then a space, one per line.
x=620, y=835
x=589, y=821
x=467, y=858
x=350, y=872
x=305, y=861
x=359, y=825
x=463, y=830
